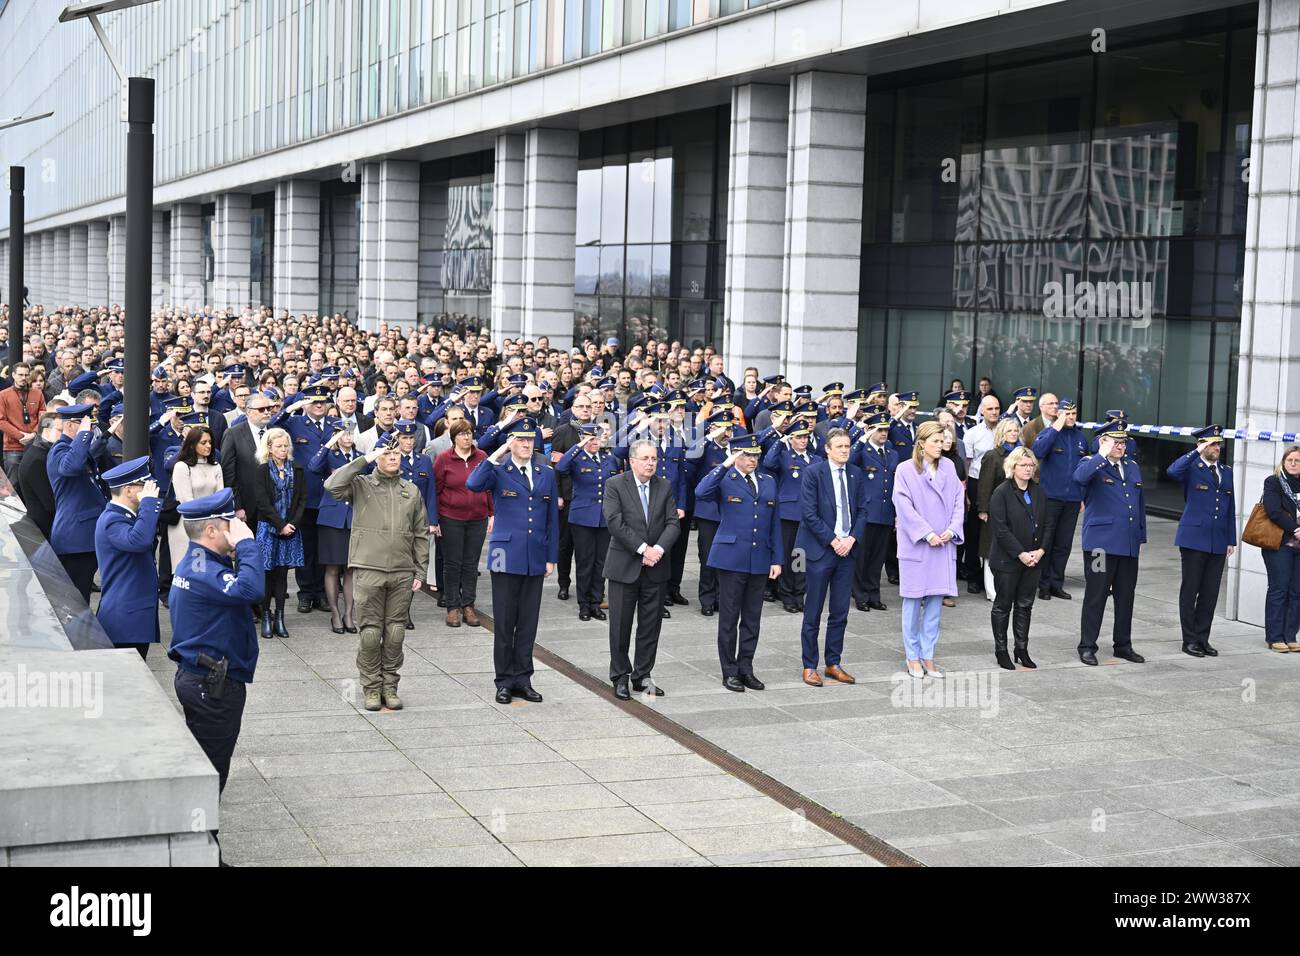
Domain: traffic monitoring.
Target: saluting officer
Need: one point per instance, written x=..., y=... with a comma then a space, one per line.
x=523, y=549
x=958, y=402
x=878, y=462
x=307, y=434
x=1059, y=447
x=1114, y=530
x=588, y=467
x=212, y=629
x=902, y=430
x=707, y=452
x=1114, y=415
x=78, y=500
x=787, y=461
x=124, y=542
x=746, y=554
x=1207, y=535
x=1023, y=409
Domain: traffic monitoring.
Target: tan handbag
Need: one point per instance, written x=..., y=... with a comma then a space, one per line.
x=1261, y=531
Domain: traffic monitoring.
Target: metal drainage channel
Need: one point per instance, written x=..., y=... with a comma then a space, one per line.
x=835, y=825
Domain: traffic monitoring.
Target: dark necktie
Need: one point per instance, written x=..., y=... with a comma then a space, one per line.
x=527, y=478
x=753, y=485
x=844, y=497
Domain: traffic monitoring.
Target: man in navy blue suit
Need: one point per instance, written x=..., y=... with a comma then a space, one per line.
x=834, y=512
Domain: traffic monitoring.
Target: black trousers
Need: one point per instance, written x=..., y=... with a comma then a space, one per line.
x=461, y=548
x=644, y=600
x=590, y=546
x=311, y=576
x=164, y=560
x=792, y=585
x=1063, y=516
x=971, y=549
x=891, y=556
x=214, y=723
x=437, y=566
x=1016, y=590
x=1199, y=593
x=869, y=560
x=1112, y=575
x=516, y=602
x=740, y=608
x=80, y=568
x=678, y=564
x=705, y=529
x=564, y=570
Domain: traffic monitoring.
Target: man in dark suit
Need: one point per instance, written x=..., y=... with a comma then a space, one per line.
x=239, y=452
x=641, y=512
x=32, y=481
x=834, y=508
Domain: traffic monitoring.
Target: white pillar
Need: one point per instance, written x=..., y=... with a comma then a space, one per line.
x=390, y=239
x=368, y=249
x=508, y=237
x=77, y=266
x=296, y=265
x=232, y=235
x=47, y=271
x=187, y=255
x=62, y=263
x=97, y=262
x=117, y=261
x=160, y=274
x=823, y=229
x=550, y=218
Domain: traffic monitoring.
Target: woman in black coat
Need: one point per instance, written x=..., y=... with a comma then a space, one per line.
x=1019, y=522
x=1282, y=601
x=281, y=496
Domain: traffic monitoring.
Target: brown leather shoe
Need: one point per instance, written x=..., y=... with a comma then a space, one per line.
x=471, y=619
x=835, y=672
x=604, y=605
x=811, y=677
x=453, y=617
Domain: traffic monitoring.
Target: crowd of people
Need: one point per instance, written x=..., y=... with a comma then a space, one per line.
x=375, y=464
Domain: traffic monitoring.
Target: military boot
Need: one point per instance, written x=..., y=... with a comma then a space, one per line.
x=391, y=700
x=372, y=698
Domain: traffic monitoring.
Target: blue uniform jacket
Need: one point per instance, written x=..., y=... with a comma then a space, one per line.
x=334, y=512
x=1059, y=454
x=587, y=507
x=1114, y=511
x=307, y=438
x=880, y=480
x=1209, y=521
x=418, y=470
x=902, y=437
x=163, y=439
x=128, y=600
x=745, y=520
x=526, y=528
x=78, y=501
x=209, y=604
x=817, y=519
x=781, y=462
x=703, y=456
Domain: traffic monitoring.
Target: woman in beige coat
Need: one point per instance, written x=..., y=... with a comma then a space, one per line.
x=194, y=475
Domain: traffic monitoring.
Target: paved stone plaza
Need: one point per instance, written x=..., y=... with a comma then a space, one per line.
x=1176, y=761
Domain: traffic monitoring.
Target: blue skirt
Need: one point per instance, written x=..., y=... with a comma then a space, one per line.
x=278, y=552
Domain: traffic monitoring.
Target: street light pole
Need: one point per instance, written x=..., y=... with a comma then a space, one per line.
x=17, y=236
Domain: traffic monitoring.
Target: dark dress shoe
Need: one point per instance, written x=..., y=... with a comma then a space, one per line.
x=679, y=598
x=893, y=579
x=304, y=605
x=1208, y=650
x=799, y=606
x=733, y=683
x=1130, y=655
x=598, y=614
x=769, y=597
x=621, y=690
x=877, y=606
x=528, y=694
x=792, y=608
x=1063, y=594
x=1004, y=660
x=707, y=610
x=752, y=682
x=320, y=604
x=1193, y=650
x=642, y=686
x=667, y=613
x=863, y=606
x=1044, y=594
x=1088, y=657
x=442, y=602
x=563, y=594
x=503, y=695
x=974, y=587
x=584, y=615
x=668, y=599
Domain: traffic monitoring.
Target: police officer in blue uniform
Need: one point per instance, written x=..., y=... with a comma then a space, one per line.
x=165, y=434
x=214, y=642
x=522, y=551
x=1114, y=530
x=1207, y=535
x=588, y=467
x=78, y=500
x=786, y=460
x=958, y=402
x=902, y=430
x=746, y=554
x=513, y=407
x=417, y=468
x=124, y=543
x=1059, y=448
x=706, y=453
x=878, y=462
x=307, y=433
x=1114, y=415
x=1022, y=405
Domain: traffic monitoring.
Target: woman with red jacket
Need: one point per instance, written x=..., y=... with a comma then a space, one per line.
x=464, y=519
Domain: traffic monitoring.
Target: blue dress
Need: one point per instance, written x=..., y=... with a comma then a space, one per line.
x=277, y=551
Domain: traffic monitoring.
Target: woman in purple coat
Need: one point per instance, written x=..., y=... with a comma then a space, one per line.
x=930, y=508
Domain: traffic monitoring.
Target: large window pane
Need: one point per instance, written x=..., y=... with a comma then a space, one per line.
x=613, y=202
x=938, y=124
x=588, y=206
x=641, y=197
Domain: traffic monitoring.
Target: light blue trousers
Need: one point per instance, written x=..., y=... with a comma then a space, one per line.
x=921, y=626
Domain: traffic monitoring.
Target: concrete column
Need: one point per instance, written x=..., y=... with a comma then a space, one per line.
x=97, y=262
x=508, y=237
x=187, y=255
x=433, y=239
x=755, y=225
x=47, y=273
x=117, y=261
x=297, y=246
x=77, y=265
x=1268, y=378
x=550, y=218
x=62, y=265
x=232, y=281
x=160, y=274
x=390, y=239
x=823, y=227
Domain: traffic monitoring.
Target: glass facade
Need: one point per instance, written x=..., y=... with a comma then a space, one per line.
x=261, y=249
x=455, y=275
x=340, y=244
x=1071, y=221
x=651, y=229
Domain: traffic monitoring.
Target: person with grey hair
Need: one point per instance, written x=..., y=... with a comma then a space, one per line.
x=1020, y=523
